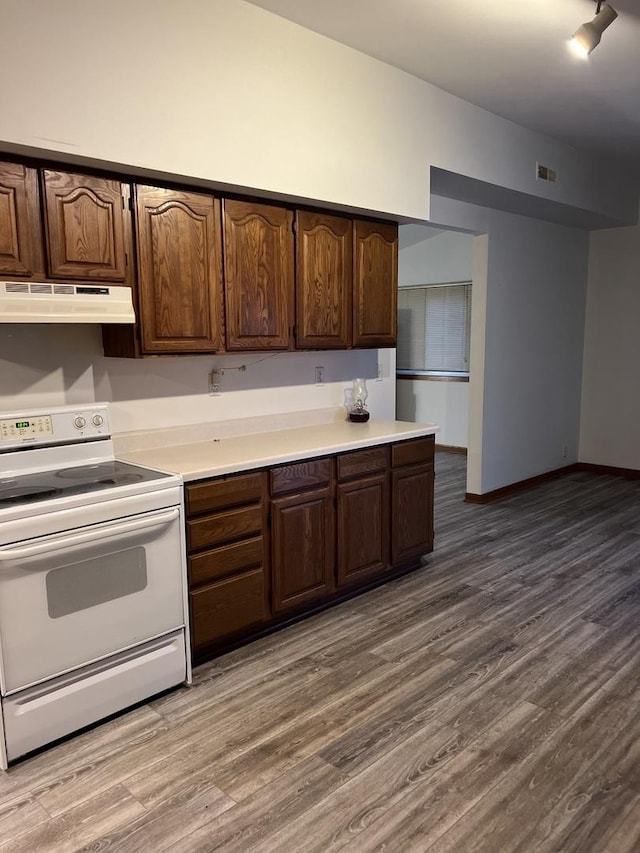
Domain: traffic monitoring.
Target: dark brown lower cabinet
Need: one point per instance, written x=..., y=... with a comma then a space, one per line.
x=412, y=515
x=225, y=608
x=269, y=545
x=363, y=529
x=302, y=548
x=228, y=567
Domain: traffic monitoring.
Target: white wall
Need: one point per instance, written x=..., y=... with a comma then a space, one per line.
x=427, y=259
x=48, y=365
x=610, y=418
x=442, y=403
x=431, y=256
x=526, y=344
x=225, y=91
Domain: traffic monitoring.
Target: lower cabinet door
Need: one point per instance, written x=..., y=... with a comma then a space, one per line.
x=363, y=529
x=302, y=542
x=412, y=513
x=227, y=607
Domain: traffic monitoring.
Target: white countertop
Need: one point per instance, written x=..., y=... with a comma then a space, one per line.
x=216, y=456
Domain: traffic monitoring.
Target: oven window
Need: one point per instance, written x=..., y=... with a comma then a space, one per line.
x=96, y=581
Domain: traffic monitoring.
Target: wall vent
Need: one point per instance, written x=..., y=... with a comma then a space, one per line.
x=544, y=173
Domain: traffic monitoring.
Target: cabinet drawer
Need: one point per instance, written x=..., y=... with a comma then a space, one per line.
x=224, y=527
x=227, y=607
x=226, y=560
x=301, y=475
x=412, y=452
x=362, y=462
x=220, y=494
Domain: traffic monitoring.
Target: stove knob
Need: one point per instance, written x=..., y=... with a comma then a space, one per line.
x=79, y=422
x=97, y=420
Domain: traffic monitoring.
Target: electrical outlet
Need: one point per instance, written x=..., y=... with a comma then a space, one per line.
x=320, y=375
x=565, y=451
x=214, y=384
x=380, y=375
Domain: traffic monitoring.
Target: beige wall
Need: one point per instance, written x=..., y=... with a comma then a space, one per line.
x=225, y=91
x=527, y=338
x=610, y=416
x=221, y=91
x=48, y=365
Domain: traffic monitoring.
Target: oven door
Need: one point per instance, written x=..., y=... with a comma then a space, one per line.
x=72, y=598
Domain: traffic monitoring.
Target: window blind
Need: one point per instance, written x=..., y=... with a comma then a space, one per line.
x=434, y=324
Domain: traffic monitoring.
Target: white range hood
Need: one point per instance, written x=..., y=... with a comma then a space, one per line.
x=51, y=302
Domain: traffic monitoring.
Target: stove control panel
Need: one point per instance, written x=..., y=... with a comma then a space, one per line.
x=64, y=425
x=26, y=428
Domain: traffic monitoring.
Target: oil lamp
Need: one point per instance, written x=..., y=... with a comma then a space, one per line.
x=358, y=398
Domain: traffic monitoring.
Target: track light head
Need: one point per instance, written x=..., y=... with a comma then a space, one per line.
x=588, y=36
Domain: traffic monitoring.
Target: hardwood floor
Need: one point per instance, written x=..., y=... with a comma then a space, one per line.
x=488, y=702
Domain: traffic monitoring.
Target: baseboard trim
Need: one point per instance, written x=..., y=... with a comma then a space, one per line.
x=451, y=448
x=611, y=470
x=520, y=486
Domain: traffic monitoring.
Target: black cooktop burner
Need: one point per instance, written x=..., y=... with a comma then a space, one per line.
x=106, y=473
x=77, y=480
x=16, y=495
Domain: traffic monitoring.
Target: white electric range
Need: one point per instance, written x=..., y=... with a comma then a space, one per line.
x=93, y=592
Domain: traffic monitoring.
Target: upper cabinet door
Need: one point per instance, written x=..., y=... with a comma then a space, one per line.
x=258, y=275
x=324, y=265
x=85, y=226
x=375, y=284
x=20, y=234
x=179, y=270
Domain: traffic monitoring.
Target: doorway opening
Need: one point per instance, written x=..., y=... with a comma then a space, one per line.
x=433, y=367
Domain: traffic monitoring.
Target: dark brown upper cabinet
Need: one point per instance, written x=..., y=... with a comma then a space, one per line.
x=179, y=270
x=20, y=233
x=207, y=275
x=375, y=288
x=85, y=226
x=324, y=276
x=258, y=275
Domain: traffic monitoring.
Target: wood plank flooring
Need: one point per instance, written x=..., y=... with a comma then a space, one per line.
x=488, y=702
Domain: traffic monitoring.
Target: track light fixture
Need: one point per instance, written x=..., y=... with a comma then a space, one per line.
x=588, y=35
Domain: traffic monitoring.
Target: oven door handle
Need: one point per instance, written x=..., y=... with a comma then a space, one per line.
x=66, y=541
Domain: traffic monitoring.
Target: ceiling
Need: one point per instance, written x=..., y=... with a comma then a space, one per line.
x=510, y=57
